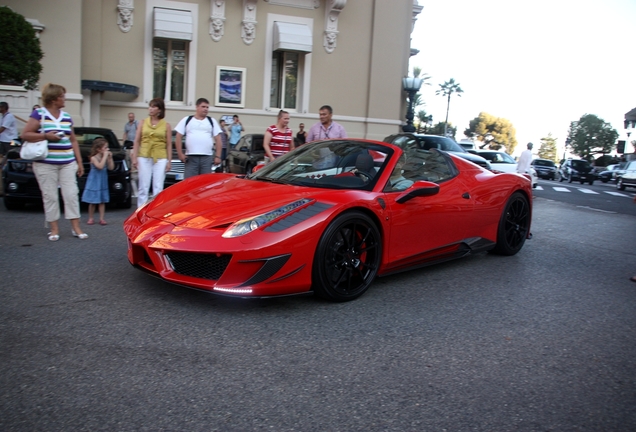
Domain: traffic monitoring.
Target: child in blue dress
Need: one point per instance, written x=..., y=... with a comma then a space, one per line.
x=96, y=189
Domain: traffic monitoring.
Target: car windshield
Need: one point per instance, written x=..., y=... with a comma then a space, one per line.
x=580, y=164
x=85, y=140
x=334, y=164
x=543, y=162
x=440, y=143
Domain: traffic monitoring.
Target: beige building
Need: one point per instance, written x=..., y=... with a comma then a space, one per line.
x=248, y=57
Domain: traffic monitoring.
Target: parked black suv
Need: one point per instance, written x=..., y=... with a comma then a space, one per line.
x=545, y=168
x=577, y=169
x=21, y=187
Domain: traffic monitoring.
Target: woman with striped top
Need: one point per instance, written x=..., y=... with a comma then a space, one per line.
x=278, y=138
x=63, y=163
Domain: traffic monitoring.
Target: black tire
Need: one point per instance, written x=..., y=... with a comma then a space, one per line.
x=12, y=204
x=619, y=185
x=604, y=180
x=126, y=204
x=513, y=225
x=347, y=257
x=591, y=182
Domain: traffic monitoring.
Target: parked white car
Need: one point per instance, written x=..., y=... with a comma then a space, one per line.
x=502, y=161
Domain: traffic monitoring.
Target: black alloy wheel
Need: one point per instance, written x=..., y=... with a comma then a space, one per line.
x=347, y=257
x=513, y=225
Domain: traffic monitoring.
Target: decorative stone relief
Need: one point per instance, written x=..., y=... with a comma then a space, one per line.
x=248, y=25
x=332, y=12
x=125, y=10
x=217, y=19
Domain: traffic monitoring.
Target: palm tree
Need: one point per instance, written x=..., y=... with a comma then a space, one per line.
x=447, y=89
x=424, y=120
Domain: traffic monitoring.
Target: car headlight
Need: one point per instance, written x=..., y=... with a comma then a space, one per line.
x=19, y=166
x=248, y=225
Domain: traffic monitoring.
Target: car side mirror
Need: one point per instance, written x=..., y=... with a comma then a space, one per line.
x=418, y=189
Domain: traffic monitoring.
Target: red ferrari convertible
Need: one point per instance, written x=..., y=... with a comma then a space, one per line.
x=328, y=218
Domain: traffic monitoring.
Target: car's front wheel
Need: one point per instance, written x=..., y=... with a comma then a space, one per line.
x=619, y=185
x=347, y=257
x=13, y=204
x=513, y=225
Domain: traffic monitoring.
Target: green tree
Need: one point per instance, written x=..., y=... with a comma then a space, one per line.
x=493, y=132
x=447, y=89
x=548, y=148
x=591, y=135
x=423, y=120
x=20, y=51
x=441, y=128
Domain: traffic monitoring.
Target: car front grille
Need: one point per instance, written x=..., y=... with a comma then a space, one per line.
x=176, y=166
x=199, y=265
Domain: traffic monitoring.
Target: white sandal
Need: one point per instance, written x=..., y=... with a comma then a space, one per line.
x=82, y=236
x=53, y=237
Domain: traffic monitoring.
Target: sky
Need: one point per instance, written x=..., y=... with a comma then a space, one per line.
x=539, y=64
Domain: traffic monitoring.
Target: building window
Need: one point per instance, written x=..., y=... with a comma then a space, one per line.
x=170, y=59
x=170, y=48
x=287, y=72
x=284, y=90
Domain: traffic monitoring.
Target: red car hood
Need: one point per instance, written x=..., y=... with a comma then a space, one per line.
x=206, y=204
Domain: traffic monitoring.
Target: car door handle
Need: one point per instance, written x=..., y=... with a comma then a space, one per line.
x=466, y=195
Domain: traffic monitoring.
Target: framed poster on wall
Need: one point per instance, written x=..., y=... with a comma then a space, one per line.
x=230, y=87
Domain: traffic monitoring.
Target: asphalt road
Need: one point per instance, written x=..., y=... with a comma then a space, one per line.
x=603, y=197
x=544, y=340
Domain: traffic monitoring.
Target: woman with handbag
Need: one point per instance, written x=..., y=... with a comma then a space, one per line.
x=62, y=164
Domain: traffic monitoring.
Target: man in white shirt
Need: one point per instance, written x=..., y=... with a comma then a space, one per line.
x=524, y=160
x=202, y=141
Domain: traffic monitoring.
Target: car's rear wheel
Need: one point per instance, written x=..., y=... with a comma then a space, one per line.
x=347, y=257
x=513, y=225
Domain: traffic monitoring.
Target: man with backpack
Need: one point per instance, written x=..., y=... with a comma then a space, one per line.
x=202, y=141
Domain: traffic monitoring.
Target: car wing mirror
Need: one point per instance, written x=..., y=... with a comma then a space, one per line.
x=418, y=189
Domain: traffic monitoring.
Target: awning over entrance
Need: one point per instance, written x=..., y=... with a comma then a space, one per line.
x=292, y=37
x=103, y=86
x=173, y=24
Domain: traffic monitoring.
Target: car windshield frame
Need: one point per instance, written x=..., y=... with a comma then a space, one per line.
x=329, y=164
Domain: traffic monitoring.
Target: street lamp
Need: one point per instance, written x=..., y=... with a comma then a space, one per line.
x=411, y=85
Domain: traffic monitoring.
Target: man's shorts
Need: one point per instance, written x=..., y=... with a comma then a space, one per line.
x=4, y=147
